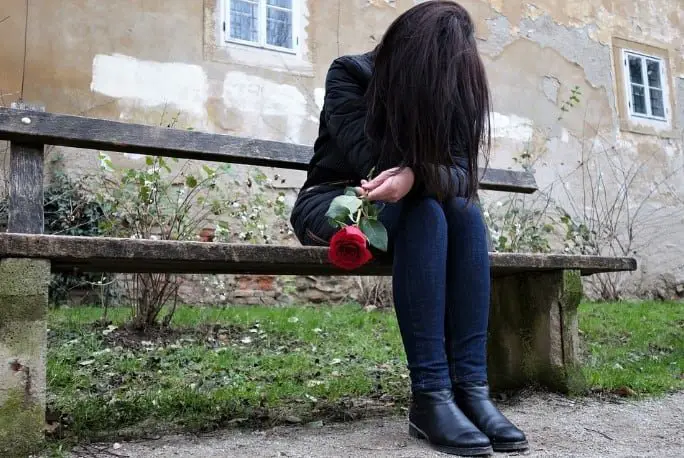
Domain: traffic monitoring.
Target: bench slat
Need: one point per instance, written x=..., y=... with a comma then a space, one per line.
x=81, y=132
x=90, y=254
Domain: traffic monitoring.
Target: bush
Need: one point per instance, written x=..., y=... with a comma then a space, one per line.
x=69, y=209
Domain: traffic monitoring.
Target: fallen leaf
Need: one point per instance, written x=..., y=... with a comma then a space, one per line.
x=237, y=420
x=102, y=352
x=116, y=446
x=625, y=391
x=87, y=362
x=109, y=330
x=246, y=340
x=293, y=419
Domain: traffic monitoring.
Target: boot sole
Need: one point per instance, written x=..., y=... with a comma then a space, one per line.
x=460, y=451
x=511, y=447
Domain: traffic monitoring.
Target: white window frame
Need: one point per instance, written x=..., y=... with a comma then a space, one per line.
x=262, y=35
x=648, y=118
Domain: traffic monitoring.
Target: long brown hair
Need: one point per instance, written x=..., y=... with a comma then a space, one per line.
x=429, y=98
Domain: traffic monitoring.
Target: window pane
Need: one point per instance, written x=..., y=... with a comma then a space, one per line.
x=279, y=28
x=657, y=103
x=635, y=75
x=281, y=3
x=638, y=99
x=244, y=20
x=653, y=72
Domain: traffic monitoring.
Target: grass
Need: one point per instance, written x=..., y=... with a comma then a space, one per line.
x=223, y=367
x=262, y=366
x=634, y=348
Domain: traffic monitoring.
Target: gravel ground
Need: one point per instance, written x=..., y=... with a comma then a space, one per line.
x=556, y=427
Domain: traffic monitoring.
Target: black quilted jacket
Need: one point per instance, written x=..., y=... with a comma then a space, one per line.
x=342, y=152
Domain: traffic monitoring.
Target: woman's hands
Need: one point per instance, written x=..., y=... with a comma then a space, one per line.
x=390, y=186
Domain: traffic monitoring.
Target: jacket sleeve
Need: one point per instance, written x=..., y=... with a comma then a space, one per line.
x=345, y=115
x=458, y=174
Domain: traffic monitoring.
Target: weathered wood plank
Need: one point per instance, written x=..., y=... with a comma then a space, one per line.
x=80, y=132
x=26, y=188
x=127, y=255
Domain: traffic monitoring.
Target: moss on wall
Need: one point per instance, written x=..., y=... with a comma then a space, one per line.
x=21, y=426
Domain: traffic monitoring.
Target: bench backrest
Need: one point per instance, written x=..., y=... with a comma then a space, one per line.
x=29, y=131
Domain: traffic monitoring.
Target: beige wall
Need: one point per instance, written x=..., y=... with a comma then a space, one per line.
x=133, y=60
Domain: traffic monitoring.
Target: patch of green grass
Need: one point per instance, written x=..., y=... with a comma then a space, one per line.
x=633, y=347
x=261, y=366
x=224, y=366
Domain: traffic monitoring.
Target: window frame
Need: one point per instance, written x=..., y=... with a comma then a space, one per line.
x=629, y=88
x=263, y=27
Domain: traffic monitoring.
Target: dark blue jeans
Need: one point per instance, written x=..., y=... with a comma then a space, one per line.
x=441, y=286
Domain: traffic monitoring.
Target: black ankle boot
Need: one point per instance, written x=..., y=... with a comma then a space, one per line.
x=434, y=417
x=473, y=400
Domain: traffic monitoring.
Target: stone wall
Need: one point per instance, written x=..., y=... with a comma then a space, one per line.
x=144, y=61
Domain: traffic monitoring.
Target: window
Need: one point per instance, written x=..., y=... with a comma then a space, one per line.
x=646, y=87
x=264, y=23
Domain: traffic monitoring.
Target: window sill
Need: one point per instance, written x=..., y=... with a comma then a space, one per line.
x=666, y=131
x=258, y=57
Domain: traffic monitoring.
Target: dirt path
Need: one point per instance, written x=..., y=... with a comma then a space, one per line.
x=556, y=427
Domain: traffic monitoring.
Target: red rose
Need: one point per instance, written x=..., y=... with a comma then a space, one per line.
x=349, y=248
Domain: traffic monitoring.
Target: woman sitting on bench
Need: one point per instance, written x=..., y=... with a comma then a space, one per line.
x=416, y=109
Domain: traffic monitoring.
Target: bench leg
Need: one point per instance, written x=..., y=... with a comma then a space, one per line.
x=534, y=337
x=24, y=287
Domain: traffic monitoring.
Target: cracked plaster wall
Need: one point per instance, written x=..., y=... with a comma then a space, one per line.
x=133, y=60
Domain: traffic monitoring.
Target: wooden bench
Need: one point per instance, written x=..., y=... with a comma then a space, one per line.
x=534, y=335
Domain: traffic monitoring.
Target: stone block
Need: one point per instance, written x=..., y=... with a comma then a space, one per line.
x=24, y=287
x=533, y=330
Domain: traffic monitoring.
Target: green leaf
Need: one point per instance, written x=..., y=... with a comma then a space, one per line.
x=349, y=191
x=163, y=164
x=372, y=210
x=335, y=222
x=352, y=203
x=191, y=181
x=338, y=212
x=149, y=160
x=376, y=233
